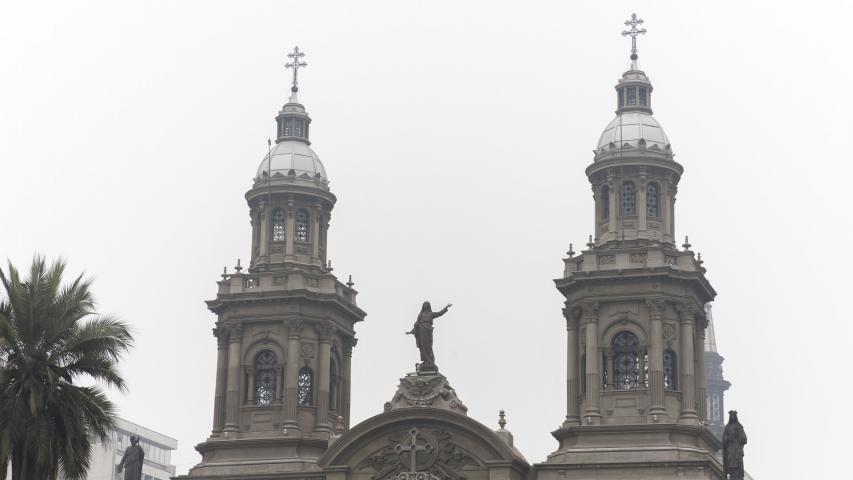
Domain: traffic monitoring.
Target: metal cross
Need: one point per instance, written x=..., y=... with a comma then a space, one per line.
x=633, y=32
x=413, y=448
x=295, y=64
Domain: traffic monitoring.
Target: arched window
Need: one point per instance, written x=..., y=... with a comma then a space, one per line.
x=264, y=387
x=278, y=226
x=629, y=199
x=301, y=225
x=626, y=364
x=670, y=370
x=605, y=202
x=715, y=407
x=653, y=200
x=305, y=384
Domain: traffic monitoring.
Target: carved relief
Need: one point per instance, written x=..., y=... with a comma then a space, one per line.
x=307, y=350
x=279, y=281
x=638, y=258
x=606, y=259
x=669, y=331
x=434, y=452
x=312, y=282
x=671, y=260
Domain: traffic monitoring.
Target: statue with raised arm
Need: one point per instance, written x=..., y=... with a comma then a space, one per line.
x=423, y=336
x=734, y=439
x=131, y=462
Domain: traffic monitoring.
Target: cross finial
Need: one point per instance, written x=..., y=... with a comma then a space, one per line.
x=633, y=32
x=295, y=63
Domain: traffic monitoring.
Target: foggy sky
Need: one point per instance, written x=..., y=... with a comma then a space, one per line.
x=455, y=137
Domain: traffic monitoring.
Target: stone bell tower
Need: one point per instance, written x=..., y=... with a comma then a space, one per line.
x=285, y=328
x=634, y=313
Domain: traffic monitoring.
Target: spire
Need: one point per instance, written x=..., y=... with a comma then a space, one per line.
x=293, y=120
x=296, y=63
x=633, y=32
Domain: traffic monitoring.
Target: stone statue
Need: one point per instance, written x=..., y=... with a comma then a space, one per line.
x=423, y=336
x=131, y=462
x=734, y=439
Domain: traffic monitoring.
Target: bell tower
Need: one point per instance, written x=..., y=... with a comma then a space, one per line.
x=285, y=328
x=634, y=313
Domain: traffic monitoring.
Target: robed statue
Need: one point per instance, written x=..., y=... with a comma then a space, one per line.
x=423, y=336
x=131, y=462
x=734, y=439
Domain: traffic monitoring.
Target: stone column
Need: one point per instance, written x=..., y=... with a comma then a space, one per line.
x=593, y=358
x=642, y=210
x=614, y=208
x=657, y=407
x=249, y=397
x=232, y=398
x=290, y=227
x=277, y=392
x=572, y=355
x=641, y=353
x=291, y=374
x=325, y=364
x=607, y=369
x=346, y=372
x=315, y=232
x=688, y=377
x=221, y=334
x=264, y=217
x=701, y=390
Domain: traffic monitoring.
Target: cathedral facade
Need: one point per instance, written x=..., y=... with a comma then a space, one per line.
x=636, y=319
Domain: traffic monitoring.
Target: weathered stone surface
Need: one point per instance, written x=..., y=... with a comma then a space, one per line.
x=426, y=390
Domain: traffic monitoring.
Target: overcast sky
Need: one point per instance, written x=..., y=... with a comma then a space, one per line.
x=455, y=137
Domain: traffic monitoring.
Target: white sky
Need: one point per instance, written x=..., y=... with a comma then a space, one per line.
x=455, y=137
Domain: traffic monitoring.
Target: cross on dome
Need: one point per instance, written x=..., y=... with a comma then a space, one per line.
x=295, y=63
x=633, y=32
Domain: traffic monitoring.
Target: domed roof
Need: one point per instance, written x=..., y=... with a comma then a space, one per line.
x=632, y=128
x=293, y=158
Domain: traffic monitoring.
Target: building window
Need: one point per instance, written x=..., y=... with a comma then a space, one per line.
x=305, y=383
x=288, y=127
x=301, y=225
x=716, y=414
x=653, y=200
x=605, y=202
x=643, y=100
x=632, y=96
x=299, y=128
x=278, y=226
x=670, y=370
x=626, y=364
x=621, y=97
x=264, y=387
x=629, y=198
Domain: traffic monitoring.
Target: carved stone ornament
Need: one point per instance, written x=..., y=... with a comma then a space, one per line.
x=279, y=281
x=307, y=350
x=418, y=454
x=638, y=258
x=312, y=282
x=423, y=390
x=669, y=331
x=606, y=259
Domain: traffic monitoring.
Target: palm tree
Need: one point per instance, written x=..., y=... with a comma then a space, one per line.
x=51, y=338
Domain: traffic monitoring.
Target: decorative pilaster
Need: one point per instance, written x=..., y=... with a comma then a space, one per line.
x=346, y=385
x=232, y=398
x=315, y=231
x=291, y=374
x=572, y=316
x=688, y=377
x=593, y=378
x=290, y=227
x=614, y=207
x=324, y=332
x=264, y=217
x=221, y=334
x=701, y=390
x=656, y=407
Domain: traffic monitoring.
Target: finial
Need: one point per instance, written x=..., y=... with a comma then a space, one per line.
x=633, y=32
x=571, y=252
x=350, y=283
x=502, y=420
x=295, y=63
x=224, y=272
x=329, y=265
x=699, y=260
x=590, y=243
x=686, y=243
x=238, y=268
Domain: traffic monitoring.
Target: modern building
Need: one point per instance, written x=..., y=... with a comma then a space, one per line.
x=158, y=453
x=635, y=352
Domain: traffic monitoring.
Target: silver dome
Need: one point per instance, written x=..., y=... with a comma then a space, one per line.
x=293, y=158
x=631, y=128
